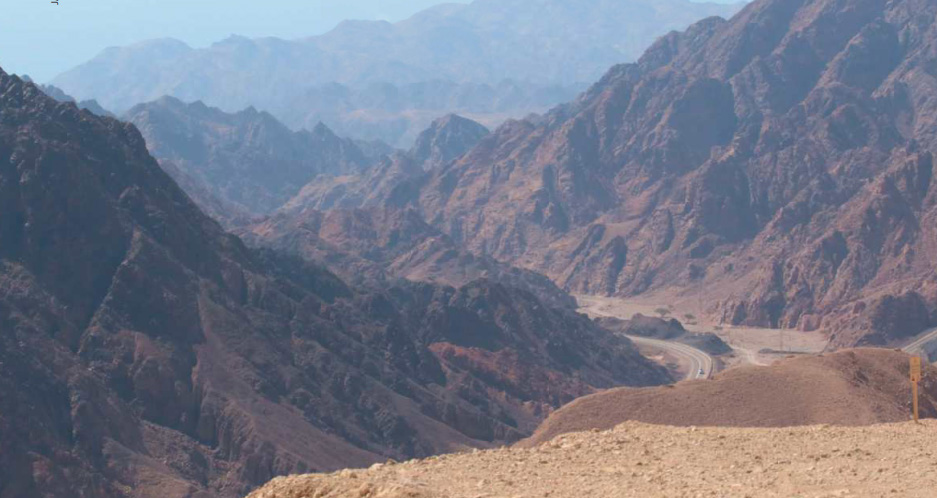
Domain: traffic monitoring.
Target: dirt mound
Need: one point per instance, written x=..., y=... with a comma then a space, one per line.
x=644, y=326
x=707, y=342
x=649, y=461
x=855, y=387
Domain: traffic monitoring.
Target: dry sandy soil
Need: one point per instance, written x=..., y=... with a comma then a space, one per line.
x=638, y=460
x=748, y=342
x=852, y=387
x=807, y=426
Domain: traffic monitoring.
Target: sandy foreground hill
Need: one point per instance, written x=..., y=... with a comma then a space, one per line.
x=753, y=431
x=855, y=387
x=636, y=459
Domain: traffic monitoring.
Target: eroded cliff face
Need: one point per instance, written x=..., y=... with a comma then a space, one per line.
x=781, y=160
x=145, y=352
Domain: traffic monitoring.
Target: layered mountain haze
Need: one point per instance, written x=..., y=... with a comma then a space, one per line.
x=397, y=114
x=146, y=352
x=247, y=159
x=490, y=59
x=57, y=94
x=781, y=160
x=388, y=182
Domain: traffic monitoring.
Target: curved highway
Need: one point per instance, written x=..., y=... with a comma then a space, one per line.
x=701, y=364
x=699, y=360
x=918, y=344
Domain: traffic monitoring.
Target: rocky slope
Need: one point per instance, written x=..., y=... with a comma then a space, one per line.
x=377, y=186
x=446, y=139
x=351, y=224
x=247, y=159
x=490, y=58
x=385, y=184
x=145, y=352
x=638, y=460
x=373, y=246
x=851, y=387
x=781, y=160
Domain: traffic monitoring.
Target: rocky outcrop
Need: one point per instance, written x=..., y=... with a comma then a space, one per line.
x=146, y=352
x=644, y=326
x=446, y=139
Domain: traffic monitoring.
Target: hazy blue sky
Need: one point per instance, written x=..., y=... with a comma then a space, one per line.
x=43, y=39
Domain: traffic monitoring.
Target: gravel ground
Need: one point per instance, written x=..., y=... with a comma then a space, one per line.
x=653, y=461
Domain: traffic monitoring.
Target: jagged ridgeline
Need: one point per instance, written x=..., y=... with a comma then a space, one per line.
x=487, y=59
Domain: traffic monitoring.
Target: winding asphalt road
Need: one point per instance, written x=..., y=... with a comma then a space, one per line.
x=699, y=360
x=918, y=345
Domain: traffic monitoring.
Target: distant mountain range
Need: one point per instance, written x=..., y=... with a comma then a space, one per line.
x=396, y=114
x=495, y=58
x=59, y=95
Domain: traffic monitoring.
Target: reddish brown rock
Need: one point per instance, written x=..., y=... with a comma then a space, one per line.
x=781, y=160
x=146, y=352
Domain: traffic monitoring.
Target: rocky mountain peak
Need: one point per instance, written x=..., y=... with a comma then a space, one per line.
x=446, y=139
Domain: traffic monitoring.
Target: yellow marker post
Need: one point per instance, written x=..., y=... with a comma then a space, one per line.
x=915, y=378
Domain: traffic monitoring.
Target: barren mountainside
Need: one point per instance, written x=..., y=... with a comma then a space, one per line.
x=146, y=352
x=446, y=139
x=384, y=183
x=376, y=245
x=782, y=160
